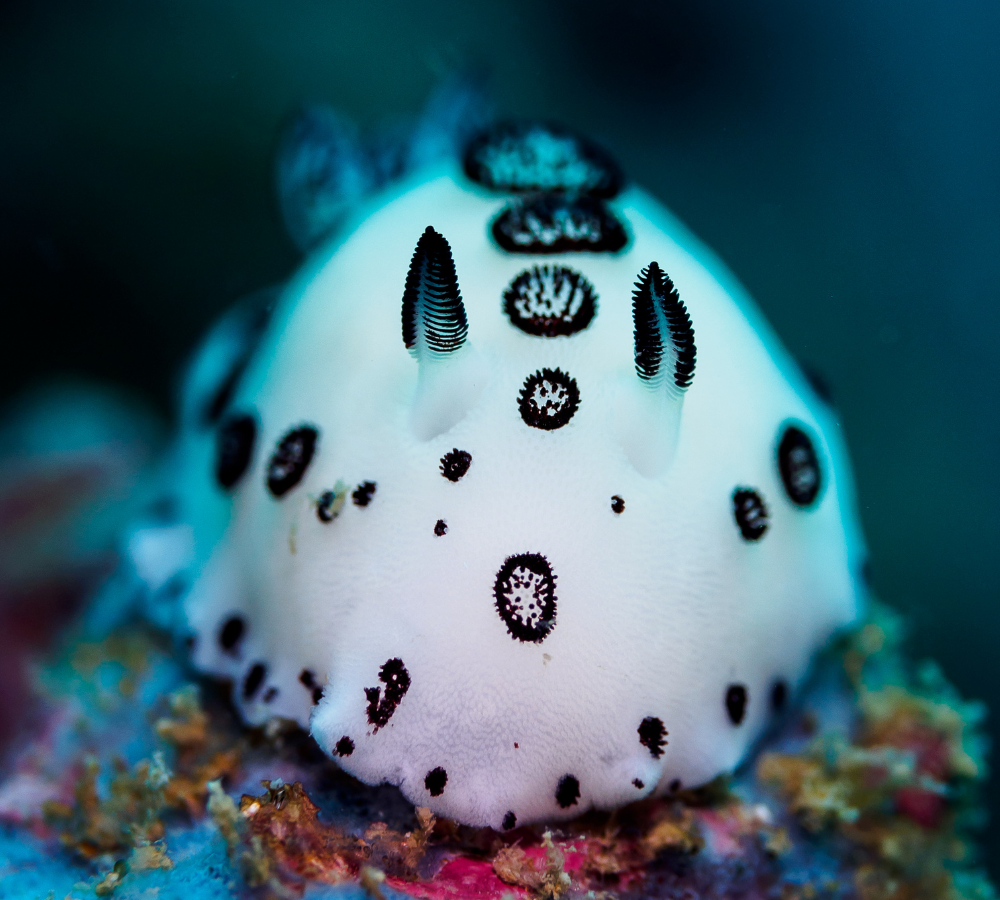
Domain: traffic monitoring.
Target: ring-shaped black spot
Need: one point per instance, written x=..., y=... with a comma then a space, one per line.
x=779, y=695
x=750, y=513
x=254, y=679
x=455, y=463
x=435, y=781
x=509, y=820
x=364, y=492
x=736, y=702
x=548, y=399
x=557, y=223
x=550, y=301
x=345, y=746
x=525, y=593
x=653, y=736
x=234, y=449
x=231, y=633
x=568, y=791
x=396, y=679
x=799, y=466
x=290, y=459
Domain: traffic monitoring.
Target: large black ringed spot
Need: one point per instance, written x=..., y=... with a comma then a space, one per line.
x=550, y=301
x=230, y=634
x=396, y=679
x=234, y=449
x=568, y=791
x=455, y=463
x=653, y=736
x=254, y=679
x=435, y=781
x=736, y=702
x=750, y=513
x=799, y=466
x=364, y=492
x=345, y=746
x=548, y=399
x=525, y=592
x=522, y=155
x=556, y=223
x=509, y=820
x=290, y=459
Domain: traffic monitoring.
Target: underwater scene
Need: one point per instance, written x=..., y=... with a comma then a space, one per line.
x=515, y=450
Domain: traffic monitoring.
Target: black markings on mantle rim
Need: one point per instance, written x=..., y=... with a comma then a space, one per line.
x=231, y=633
x=798, y=464
x=750, y=513
x=253, y=680
x=567, y=791
x=736, y=702
x=436, y=781
x=525, y=597
x=653, y=735
x=555, y=223
x=290, y=459
x=234, y=445
x=396, y=679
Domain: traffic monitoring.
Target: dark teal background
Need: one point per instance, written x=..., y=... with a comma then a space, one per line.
x=842, y=157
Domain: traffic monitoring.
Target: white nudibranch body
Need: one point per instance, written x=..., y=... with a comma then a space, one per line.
x=568, y=537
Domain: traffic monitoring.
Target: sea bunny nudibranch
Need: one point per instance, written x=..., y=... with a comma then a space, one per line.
x=517, y=503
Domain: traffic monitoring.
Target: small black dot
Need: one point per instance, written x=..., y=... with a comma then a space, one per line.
x=617, y=505
x=441, y=528
x=653, y=736
x=234, y=449
x=799, y=466
x=548, y=399
x=290, y=459
x=253, y=681
x=736, y=702
x=779, y=695
x=307, y=678
x=329, y=505
x=317, y=695
x=270, y=694
x=435, y=781
x=362, y=496
x=568, y=791
x=509, y=821
x=750, y=513
x=345, y=746
x=230, y=633
x=674, y=786
x=639, y=783
x=455, y=464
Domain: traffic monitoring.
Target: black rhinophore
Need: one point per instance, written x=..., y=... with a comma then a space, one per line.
x=558, y=223
x=234, y=449
x=524, y=156
x=525, y=594
x=750, y=513
x=550, y=301
x=433, y=313
x=290, y=459
x=799, y=466
x=664, y=338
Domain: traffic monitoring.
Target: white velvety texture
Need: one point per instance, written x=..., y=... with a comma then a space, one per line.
x=660, y=609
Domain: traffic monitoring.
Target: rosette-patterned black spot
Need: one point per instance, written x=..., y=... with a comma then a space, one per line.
x=525, y=592
x=664, y=336
x=550, y=301
x=290, y=459
x=433, y=313
x=231, y=633
x=435, y=781
x=639, y=783
x=519, y=156
x=345, y=746
x=557, y=223
x=455, y=464
x=750, y=513
x=736, y=702
x=396, y=679
x=653, y=735
x=234, y=449
x=799, y=466
x=568, y=791
x=364, y=492
x=548, y=399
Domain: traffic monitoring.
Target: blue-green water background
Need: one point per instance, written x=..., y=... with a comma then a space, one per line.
x=842, y=157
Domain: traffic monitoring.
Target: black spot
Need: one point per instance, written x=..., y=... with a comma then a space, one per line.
x=290, y=459
x=329, y=505
x=231, y=632
x=520, y=156
x=441, y=528
x=525, y=596
x=345, y=746
x=548, y=399
x=362, y=496
x=779, y=695
x=799, y=466
x=674, y=786
x=617, y=505
x=435, y=781
x=270, y=694
x=307, y=678
x=653, y=736
x=397, y=681
x=664, y=336
x=639, y=783
x=317, y=695
x=568, y=791
x=550, y=301
x=736, y=702
x=750, y=513
x=509, y=820
x=234, y=449
x=433, y=313
x=556, y=223
x=455, y=464
x=254, y=679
